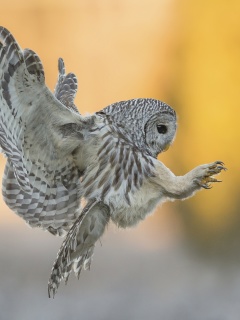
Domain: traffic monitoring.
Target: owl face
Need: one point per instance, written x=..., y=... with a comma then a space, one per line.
x=160, y=131
x=148, y=123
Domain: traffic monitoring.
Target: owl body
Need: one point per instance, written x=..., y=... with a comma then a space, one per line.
x=120, y=174
x=56, y=158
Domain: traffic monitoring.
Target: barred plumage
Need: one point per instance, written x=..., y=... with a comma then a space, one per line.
x=66, y=88
x=56, y=158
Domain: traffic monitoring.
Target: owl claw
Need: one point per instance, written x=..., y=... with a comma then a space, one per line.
x=209, y=171
x=219, y=165
x=206, y=186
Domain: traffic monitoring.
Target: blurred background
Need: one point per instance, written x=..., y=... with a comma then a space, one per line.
x=183, y=262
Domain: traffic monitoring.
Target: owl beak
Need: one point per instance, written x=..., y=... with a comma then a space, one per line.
x=167, y=147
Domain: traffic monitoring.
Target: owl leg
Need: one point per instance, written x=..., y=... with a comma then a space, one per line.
x=181, y=187
x=77, y=248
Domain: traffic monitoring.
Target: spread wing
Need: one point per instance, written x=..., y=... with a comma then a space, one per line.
x=66, y=88
x=38, y=135
x=77, y=248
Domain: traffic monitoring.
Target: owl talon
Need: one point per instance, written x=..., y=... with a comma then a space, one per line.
x=209, y=171
x=206, y=186
x=213, y=180
x=218, y=166
x=215, y=171
x=221, y=164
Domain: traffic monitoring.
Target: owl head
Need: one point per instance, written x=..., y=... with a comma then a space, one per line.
x=147, y=123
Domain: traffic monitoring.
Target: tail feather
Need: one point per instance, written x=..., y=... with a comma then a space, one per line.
x=77, y=249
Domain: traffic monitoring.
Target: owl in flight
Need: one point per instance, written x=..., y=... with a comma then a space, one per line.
x=71, y=174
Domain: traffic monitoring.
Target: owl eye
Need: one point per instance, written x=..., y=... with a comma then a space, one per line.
x=161, y=128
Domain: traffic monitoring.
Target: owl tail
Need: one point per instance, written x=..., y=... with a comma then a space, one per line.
x=77, y=249
x=63, y=267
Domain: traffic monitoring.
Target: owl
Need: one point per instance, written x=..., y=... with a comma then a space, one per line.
x=71, y=174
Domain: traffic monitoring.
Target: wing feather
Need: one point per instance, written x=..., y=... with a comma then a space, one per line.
x=41, y=179
x=66, y=88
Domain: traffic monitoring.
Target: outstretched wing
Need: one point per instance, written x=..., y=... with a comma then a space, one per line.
x=38, y=134
x=66, y=88
x=77, y=248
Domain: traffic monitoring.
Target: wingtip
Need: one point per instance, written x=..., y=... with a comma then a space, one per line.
x=61, y=66
x=5, y=36
x=4, y=30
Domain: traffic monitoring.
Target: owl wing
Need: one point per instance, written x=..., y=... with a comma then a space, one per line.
x=77, y=248
x=38, y=135
x=66, y=87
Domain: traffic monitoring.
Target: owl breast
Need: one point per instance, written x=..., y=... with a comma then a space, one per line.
x=120, y=175
x=142, y=203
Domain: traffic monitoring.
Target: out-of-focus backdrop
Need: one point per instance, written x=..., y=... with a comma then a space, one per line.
x=182, y=262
